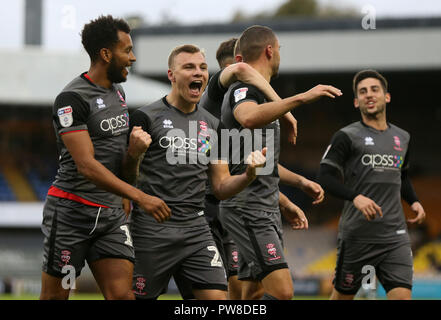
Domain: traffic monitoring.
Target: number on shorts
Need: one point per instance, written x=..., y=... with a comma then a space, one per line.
x=129, y=238
x=215, y=262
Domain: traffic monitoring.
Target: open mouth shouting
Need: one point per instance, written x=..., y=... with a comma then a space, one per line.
x=196, y=88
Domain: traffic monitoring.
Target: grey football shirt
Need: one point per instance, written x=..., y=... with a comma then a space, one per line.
x=263, y=193
x=103, y=112
x=212, y=102
x=175, y=167
x=371, y=162
x=213, y=96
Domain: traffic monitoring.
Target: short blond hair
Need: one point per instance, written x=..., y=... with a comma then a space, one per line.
x=189, y=48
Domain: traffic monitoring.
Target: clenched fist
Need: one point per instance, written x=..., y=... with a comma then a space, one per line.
x=139, y=142
x=255, y=159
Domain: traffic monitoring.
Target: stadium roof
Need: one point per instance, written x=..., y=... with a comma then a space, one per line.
x=290, y=25
x=34, y=77
x=308, y=46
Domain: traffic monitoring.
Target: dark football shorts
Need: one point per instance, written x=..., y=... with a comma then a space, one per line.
x=189, y=254
x=258, y=237
x=75, y=232
x=224, y=242
x=226, y=246
x=391, y=263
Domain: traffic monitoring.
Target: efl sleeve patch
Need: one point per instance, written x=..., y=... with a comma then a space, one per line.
x=65, y=114
x=240, y=94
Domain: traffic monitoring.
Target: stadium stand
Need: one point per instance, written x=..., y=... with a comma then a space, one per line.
x=6, y=193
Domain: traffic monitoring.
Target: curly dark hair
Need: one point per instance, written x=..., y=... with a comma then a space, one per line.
x=102, y=33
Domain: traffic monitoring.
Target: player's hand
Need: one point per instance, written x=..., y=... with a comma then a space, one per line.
x=368, y=207
x=314, y=190
x=291, y=127
x=127, y=206
x=294, y=216
x=139, y=142
x=418, y=209
x=255, y=159
x=320, y=91
x=156, y=207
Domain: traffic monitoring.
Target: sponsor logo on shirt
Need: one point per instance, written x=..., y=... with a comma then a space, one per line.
x=368, y=141
x=240, y=94
x=204, y=138
x=65, y=115
x=167, y=123
x=100, y=103
x=116, y=124
x=178, y=143
x=384, y=161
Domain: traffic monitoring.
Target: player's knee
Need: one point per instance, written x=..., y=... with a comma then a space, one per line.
x=284, y=295
x=253, y=295
x=54, y=295
x=119, y=295
x=285, y=292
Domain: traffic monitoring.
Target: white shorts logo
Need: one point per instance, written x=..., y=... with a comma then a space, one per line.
x=240, y=94
x=65, y=116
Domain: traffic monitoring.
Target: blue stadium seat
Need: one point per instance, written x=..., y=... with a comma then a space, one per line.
x=6, y=193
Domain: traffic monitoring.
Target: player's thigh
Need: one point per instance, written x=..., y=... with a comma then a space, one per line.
x=399, y=294
x=251, y=290
x=279, y=284
x=395, y=272
x=114, y=277
x=111, y=255
x=335, y=295
x=52, y=289
x=234, y=288
x=209, y=294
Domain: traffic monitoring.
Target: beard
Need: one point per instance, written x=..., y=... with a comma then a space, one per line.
x=275, y=72
x=373, y=115
x=114, y=72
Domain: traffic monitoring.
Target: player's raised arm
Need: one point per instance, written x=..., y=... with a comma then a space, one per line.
x=245, y=73
x=252, y=115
